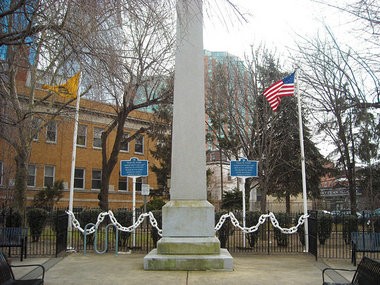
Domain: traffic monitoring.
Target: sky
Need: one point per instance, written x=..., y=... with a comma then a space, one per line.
x=273, y=22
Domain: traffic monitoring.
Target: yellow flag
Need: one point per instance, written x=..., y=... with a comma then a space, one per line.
x=68, y=89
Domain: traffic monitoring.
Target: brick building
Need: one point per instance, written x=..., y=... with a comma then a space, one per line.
x=51, y=155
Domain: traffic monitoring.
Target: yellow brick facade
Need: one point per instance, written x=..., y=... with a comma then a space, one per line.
x=59, y=155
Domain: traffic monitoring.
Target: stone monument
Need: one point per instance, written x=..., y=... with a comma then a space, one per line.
x=188, y=237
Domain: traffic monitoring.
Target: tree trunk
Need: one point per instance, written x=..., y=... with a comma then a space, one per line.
x=263, y=201
x=108, y=164
x=287, y=202
x=104, y=191
x=21, y=181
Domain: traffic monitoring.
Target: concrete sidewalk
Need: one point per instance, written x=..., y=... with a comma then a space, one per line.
x=93, y=269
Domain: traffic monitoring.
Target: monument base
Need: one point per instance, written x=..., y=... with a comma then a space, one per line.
x=190, y=245
x=222, y=261
x=189, y=241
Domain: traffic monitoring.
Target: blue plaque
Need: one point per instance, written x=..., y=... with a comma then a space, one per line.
x=244, y=168
x=134, y=167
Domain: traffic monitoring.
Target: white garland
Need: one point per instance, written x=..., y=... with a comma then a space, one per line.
x=101, y=216
x=261, y=220
x=154, y=223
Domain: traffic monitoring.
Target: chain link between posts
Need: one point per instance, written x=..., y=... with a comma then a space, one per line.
x=102, y=215
x=261, y=221
x=154, y=223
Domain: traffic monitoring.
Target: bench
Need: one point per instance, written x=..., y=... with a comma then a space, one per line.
x=367, y=273
x=14, y=237
x=7, y=277
x=364, y=242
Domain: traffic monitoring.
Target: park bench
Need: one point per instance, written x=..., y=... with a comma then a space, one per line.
x=364, y=242
x=7, y=277
x=14, y=237
x=367, y=273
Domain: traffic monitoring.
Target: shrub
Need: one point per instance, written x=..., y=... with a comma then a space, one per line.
x=125, y=218
x=251, y=219
x=59, y=220
x=350, y=224
x=154, y=204
x=301, y=230
x=86, y=217
x=324, y=227
x=13, y=219
x=284, y=221
x=376, y=224
x=36, y=218
x=225, y=231
x=47, y=197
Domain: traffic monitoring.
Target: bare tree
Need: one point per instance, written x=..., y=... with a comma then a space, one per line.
x=139, y=70
x=240, y=119
x=364, y=18
x=337, y=82
x=42, y=42
x=27, y=29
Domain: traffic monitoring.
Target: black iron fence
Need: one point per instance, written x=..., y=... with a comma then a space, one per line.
x=329, y=236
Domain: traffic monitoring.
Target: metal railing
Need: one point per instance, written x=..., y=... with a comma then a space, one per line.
x=266, y=240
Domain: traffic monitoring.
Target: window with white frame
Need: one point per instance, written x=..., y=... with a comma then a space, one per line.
x=96, y=179
x=79, y=175
x=123, y=183
x=49, y=175
x=124, y=144
x=139, y=144
x=32, y=174
x=82, y=135
x=51, y=132
x=97, y=142
x=1, y=173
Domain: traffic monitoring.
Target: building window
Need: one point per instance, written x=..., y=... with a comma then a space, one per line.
x=139, y=144
x=49, y=176
x=97, y=138
x=79, y=178
x=1, y=173
x=96, y=179
x=82, y=135
x=32, y=173
x=139, y=182
x=123, y=183
x=124, y=144
x=51, y=132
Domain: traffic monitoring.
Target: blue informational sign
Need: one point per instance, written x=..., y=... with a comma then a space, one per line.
x=244, y=168
x=134, y=167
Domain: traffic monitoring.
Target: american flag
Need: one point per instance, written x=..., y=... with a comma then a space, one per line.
x=281, y=88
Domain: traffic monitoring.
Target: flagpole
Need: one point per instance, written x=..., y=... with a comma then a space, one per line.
x=72, y=175
x=304, y=192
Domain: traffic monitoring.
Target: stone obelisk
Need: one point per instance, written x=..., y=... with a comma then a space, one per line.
x=188, y=240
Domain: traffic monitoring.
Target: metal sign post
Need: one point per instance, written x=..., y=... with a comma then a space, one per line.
x=133, y=168
x=145, y=192
x=244, y=168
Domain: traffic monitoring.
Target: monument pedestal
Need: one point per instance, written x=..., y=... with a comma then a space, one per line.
x=188, y=241
x=222, y=261
x=188, y=220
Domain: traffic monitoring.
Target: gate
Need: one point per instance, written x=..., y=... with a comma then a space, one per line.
x=313, y=236
x=61, y=232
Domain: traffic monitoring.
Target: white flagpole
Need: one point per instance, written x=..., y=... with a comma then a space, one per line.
x=304, y=192
x=72, y=175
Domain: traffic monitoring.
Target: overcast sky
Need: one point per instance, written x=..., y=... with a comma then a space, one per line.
x=273, y=22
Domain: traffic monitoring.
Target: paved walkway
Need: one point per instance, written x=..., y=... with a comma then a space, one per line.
x=125, y=269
